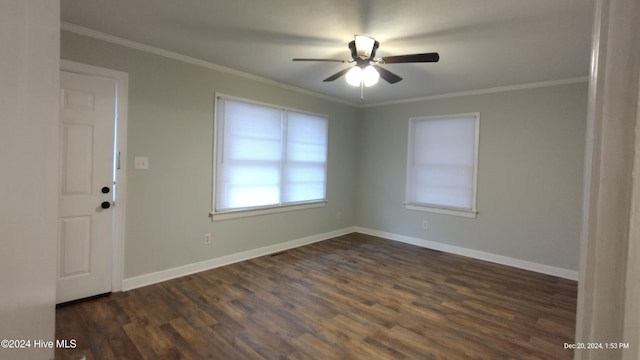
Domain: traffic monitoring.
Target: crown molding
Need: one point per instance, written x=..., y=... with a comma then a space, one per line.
x=98, y=35
x=484, y=91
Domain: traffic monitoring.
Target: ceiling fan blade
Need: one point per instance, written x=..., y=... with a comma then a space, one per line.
x=426, y=57
x=337, y=75
x=329, y=60
x=387, y=75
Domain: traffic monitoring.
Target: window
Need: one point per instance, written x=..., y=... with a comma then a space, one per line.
x=442, y=164
x=267, y=157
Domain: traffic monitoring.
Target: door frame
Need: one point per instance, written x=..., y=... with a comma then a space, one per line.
x=119, y=208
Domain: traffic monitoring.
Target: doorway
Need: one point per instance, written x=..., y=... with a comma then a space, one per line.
x=93, y=119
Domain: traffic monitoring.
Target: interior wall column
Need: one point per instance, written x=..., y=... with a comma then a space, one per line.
x=607, y=292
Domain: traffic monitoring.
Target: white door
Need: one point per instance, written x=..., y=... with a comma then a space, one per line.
x=85, y=229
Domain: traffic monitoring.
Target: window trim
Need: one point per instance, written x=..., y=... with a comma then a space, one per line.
x=272, y=209
x=441, y=209
x=266, y=209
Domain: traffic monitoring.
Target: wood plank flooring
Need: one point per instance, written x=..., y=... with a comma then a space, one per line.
x=351, y=297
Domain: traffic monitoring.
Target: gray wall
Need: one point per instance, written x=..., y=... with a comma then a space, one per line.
x=29, y=106
x=170, y=120
x=529, y=180
x=531, y=158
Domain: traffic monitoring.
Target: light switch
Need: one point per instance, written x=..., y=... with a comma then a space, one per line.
x=141, y=163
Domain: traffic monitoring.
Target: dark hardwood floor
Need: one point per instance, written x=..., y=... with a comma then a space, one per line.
x=352, y=297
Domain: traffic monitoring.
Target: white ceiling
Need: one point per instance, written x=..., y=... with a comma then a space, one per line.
x=482, y=43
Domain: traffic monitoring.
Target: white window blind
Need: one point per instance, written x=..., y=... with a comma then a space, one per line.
x=267, y=156
x=306, y=158
x=442, y=162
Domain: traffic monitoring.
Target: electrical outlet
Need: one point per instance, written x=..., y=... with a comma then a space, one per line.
x=207, y=239
x=425, y=224
x=338, y=215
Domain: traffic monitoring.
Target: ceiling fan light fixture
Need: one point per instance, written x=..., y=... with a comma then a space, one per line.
x=367, y=70
x=364, y=45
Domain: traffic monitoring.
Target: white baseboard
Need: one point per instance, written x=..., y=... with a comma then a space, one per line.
x=476, y=254
x=164, y=275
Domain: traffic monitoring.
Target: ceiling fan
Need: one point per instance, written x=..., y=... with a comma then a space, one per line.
x=367, y=69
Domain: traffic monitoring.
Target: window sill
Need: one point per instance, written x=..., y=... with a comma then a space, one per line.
x=445, y=211
x=237, y=214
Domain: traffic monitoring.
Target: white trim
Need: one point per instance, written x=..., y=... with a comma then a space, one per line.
x=475, y=254
x=80, y=30
x=219, y=216
x=455, y=212
x=122, y=81
x=164, y=275
x=224, y=96
x=574, y=80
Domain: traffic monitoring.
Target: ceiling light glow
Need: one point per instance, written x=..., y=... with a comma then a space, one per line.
x=356, y=76
x=370, y=76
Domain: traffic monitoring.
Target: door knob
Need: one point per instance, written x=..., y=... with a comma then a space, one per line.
x=105, y=190
x=105, y=205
